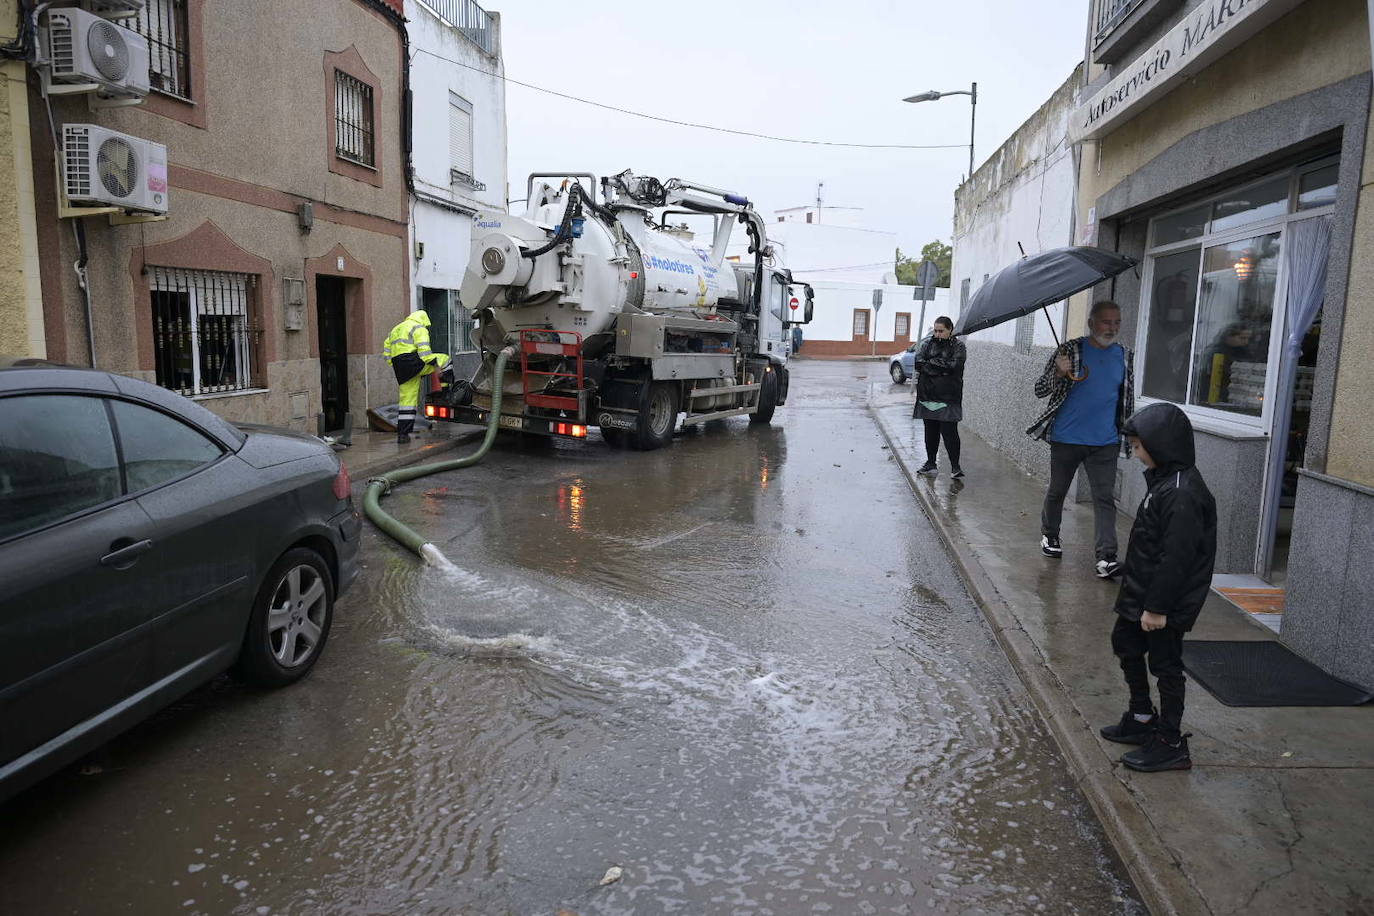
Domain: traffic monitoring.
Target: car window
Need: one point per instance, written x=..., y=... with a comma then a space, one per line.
x=158, y=448
x=57, y=458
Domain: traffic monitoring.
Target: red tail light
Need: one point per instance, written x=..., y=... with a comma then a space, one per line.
x=342, y=484
x=429, y=410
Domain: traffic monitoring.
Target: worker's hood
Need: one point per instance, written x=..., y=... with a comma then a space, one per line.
x=1167, y=435
x=419, y=315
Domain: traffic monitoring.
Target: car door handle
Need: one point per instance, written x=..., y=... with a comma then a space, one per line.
x=125, y=552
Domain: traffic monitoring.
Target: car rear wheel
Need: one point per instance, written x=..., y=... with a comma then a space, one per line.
x=290, y=621
x=898, y=374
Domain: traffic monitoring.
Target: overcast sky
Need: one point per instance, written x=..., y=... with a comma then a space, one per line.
x=802, y=69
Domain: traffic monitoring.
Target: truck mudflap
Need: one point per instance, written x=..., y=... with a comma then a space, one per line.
x=540, y=426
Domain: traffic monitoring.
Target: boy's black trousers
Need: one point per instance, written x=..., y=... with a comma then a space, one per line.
x=1164, y=650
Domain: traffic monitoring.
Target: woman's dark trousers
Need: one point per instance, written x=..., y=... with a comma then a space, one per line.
x=942, y=429
x=1164, y=649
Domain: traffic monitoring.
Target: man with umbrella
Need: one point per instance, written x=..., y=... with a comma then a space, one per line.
x=1090, y=381
x=1090, y=384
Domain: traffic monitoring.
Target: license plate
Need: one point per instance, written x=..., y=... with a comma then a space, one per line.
x=616, y=421
x=512, y=422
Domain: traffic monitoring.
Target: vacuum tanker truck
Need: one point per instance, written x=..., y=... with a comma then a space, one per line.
x=616, y=319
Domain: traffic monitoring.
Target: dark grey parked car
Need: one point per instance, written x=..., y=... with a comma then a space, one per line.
x=146, y=546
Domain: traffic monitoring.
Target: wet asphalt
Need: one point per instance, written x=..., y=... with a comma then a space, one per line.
x=741, y=669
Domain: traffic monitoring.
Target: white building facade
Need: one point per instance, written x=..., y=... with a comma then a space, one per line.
x=1020, y=200
x=458, y=134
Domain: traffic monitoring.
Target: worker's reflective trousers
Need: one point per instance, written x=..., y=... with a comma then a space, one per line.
x=409, y=398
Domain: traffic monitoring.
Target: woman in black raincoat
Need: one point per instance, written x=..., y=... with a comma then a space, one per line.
x=940, y=394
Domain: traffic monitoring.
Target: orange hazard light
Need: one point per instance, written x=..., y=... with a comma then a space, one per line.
x=429, y=410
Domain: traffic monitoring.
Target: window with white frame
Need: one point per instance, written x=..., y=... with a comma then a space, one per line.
x=902, y=325
x=1213, y=305
x=163, y=23
x=460, y=158
x=202, y=333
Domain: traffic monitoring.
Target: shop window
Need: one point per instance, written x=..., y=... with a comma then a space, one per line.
x=203, y=336
x=1213, y=305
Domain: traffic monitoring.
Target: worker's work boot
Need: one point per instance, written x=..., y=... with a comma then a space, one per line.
x=403, y=431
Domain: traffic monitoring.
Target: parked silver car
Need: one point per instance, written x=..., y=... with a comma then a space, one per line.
x=146, y=546
x=902, y=366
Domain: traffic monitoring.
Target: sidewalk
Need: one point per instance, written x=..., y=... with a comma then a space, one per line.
x=374, y=453
x=1275, y=815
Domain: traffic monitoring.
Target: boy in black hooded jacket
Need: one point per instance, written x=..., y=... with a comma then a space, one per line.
x=1165, y=580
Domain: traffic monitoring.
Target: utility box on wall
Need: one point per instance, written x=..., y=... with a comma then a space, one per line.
x=293, y=304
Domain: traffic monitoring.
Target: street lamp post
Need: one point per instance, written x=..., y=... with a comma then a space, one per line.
x=972, y=93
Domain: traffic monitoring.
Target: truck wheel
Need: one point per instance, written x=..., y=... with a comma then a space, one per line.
x=768, y=399
x=657, y=417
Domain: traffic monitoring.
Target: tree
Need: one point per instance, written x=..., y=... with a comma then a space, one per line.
x=936, y=251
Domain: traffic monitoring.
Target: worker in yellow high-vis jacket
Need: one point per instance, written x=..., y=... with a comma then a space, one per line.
x=407, y=348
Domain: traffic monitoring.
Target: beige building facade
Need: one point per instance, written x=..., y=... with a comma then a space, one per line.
x=1225, y=145
x=21, y=298
x=283, y=259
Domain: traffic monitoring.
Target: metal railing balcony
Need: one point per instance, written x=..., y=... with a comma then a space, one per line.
x=1107, y=15
x=467, y=17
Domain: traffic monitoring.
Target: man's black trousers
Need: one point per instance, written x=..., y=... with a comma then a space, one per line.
x=1164, y=650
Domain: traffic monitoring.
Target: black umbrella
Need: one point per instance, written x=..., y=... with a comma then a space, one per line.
x=1039, y=281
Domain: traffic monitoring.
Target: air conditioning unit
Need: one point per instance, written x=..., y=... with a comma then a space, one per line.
x=84, y=48
x=104, y=168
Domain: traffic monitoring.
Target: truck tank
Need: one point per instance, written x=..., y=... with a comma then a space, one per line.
x=618, y=263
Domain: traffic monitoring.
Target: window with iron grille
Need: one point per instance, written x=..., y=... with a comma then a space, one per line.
x=861, y=322
x=1025, y=333
x=902, y=325
x=163, y=23
x=353, y=135
x=203, y=336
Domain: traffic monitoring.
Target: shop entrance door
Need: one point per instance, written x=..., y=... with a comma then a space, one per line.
x=333, y=330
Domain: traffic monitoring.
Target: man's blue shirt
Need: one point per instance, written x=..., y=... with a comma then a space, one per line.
x=1088, y=416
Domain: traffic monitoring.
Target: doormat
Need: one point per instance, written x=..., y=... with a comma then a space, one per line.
x=1265, y=673
x=1255, y=600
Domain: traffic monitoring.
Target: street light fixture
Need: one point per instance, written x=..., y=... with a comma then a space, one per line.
x=972, y=93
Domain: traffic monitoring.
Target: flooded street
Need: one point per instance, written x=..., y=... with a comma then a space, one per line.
x=742, y=669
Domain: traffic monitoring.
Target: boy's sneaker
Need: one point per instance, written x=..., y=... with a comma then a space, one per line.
x=1050, y=546
x=1107, y=568
x=1130, y=730
x=928, y=469
x=1160, y=753
x=956, y=471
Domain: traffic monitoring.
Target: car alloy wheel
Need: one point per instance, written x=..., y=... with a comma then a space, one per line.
x=296, y=616
x=898, y=375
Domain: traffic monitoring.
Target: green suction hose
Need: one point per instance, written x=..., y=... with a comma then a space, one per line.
x=378, y=487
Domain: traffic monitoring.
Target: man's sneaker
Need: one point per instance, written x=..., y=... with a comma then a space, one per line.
x=1130, y=730
x=928, y=469
x=956, y=472
x=1107, y=567
x=1160, y=753
x=1050, y=546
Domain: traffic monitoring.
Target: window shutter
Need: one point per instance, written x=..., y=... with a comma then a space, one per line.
x=459, y=135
